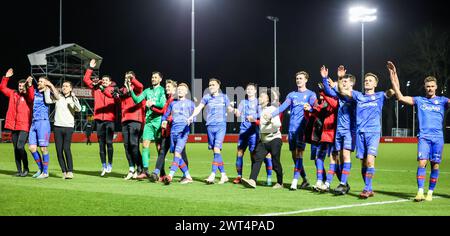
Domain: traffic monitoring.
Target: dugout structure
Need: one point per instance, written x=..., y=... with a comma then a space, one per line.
x=67, y=62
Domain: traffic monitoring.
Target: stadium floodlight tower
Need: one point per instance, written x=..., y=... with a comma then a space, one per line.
x=362, y=15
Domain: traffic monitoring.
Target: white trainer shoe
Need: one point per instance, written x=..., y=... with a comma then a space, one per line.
x=223, y=179
x=294, y=185
x=210, y=179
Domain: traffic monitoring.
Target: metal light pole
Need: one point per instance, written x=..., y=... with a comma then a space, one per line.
x=274, y=20
x=362, y=15
x=193, y=53
x=60, y=22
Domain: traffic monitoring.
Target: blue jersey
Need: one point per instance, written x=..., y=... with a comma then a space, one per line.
x=346, y=117
x=430, y=113
x=295, y=101
x=368, y=111
x=248, y=108
x=181, y=110
x=216, y=108
x=40, y=108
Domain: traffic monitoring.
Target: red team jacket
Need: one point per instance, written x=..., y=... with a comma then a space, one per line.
x=329, y=113
x=104, y=107
x=20, y=107
x=130, y=110
x=165, y=133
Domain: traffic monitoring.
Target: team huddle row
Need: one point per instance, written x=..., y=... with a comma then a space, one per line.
x=338, y=121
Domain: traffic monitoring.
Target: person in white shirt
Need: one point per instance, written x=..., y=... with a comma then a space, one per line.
x=269, y=142
x=66, y=104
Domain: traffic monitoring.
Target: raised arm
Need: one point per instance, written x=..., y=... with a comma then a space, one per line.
x=4, y=84
x=30, y=90
x=327, y=88
x=396, y=85
x=55, y=91
x=282, y=108
x=138, y=87
x=87, y=76
x=48, y=96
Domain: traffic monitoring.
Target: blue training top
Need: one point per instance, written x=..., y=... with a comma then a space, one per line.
x=430, y=112
x=40, y=108
x=295, y=101
x=216, y=108
x=181, y=110
x=248, y=108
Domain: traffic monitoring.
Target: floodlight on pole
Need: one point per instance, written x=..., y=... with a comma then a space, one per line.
x=362, y=15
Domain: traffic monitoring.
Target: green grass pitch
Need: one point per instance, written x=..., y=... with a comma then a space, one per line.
x=89, y=194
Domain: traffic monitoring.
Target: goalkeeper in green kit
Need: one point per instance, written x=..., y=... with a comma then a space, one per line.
x=154, y=96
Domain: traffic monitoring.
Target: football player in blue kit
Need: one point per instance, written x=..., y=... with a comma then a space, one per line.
x=430, y=113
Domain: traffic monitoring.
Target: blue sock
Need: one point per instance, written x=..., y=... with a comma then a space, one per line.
x=331, y=173
x=296, y=168
x=268, y=162
x=433, y=179
x=46, y=159
x=157, y=171
x=363, y=173
x=421, y=172
x=302, y=169
x=183, y=167
x=239, y=164
x=104, y=165
x=37, y=158
x=338, y=171
x=218, y=157
x=174, y=166
x=345, y=172
x=369, y=177
x=319, y=169
x=215, y=164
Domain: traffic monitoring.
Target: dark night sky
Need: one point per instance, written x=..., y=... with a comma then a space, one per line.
x=233, y=38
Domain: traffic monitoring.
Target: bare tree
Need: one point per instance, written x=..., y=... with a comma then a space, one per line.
x=429, y=55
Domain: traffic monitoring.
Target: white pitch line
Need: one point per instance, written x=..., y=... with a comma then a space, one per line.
x=337, y=207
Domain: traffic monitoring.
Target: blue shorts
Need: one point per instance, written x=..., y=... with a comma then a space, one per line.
x=216, y=134
x=296, y=140
x=248, y=138
x=178, y=140
x=345, y=140
x=39, y=133
x=367, y=144
x=430, y=148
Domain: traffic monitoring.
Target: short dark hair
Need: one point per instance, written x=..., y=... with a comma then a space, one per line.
x=216, y=80
x=68, y=82
x=131, y=72
x=159, y=73
x=349, y=76
x=22, y=81
x=107, y=76
x=252, y=84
